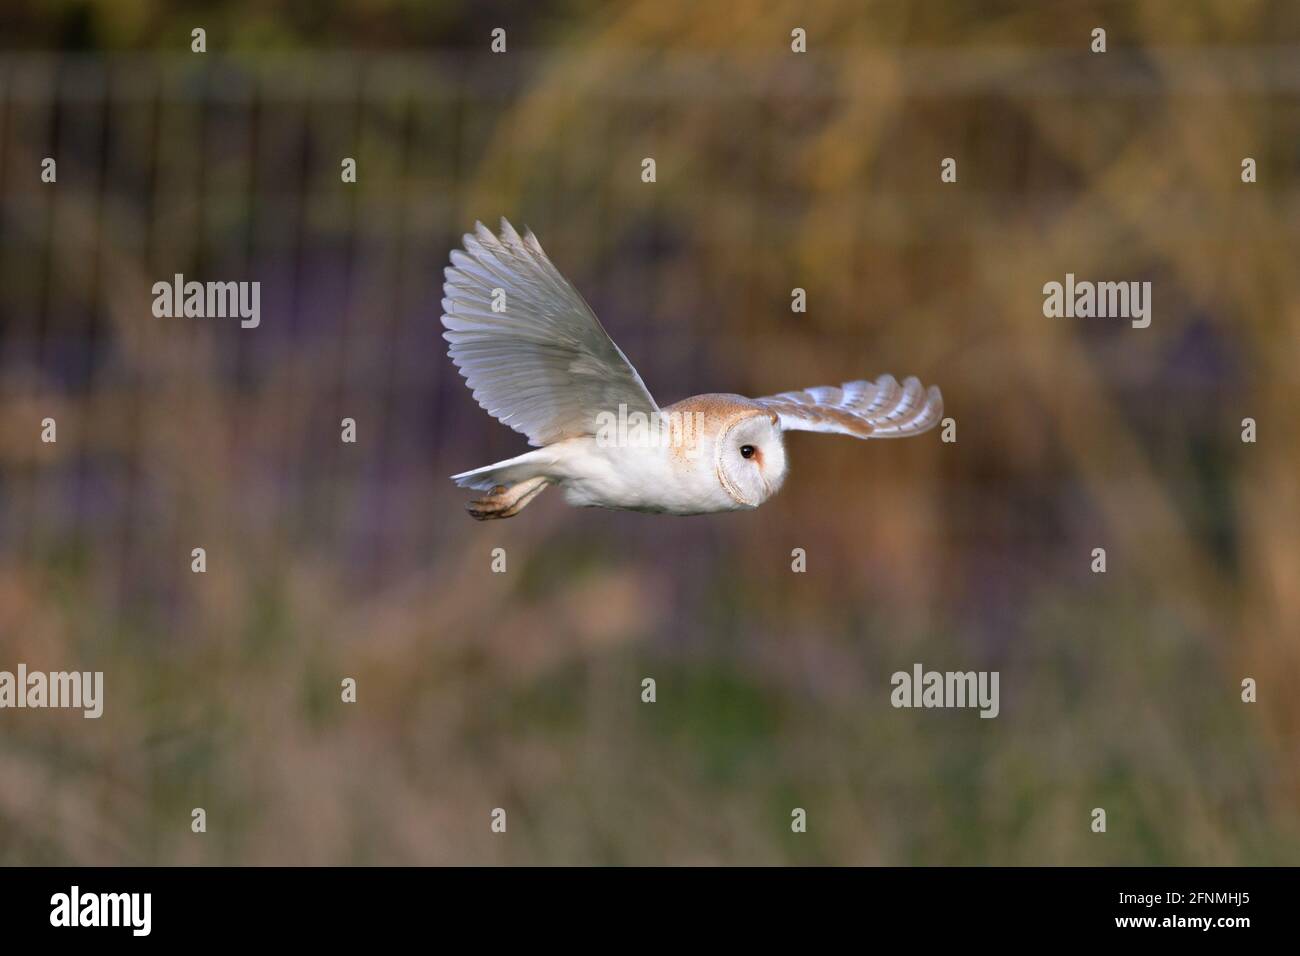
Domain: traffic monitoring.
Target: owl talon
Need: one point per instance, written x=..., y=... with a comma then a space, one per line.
x=503, y=502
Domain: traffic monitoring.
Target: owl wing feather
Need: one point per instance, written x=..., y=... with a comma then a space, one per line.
x=544, y=365
x=880, y=409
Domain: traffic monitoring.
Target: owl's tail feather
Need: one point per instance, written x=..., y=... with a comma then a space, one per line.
x=509, y=484
x=511, y=471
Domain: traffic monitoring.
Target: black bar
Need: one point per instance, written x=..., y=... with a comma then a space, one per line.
x=215, y=905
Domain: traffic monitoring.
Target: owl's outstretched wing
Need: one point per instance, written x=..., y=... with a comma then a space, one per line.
x=543, y=365
x=883, y=409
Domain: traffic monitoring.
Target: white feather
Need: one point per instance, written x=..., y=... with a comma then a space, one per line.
x=544, y=366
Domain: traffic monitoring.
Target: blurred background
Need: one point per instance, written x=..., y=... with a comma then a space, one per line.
x=521, y=690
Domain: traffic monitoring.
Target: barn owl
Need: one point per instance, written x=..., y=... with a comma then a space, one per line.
x=537, y=359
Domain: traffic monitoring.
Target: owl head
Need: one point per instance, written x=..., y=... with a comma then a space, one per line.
x=750, y=458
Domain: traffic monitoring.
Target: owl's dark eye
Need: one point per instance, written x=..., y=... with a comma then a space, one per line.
x=746, y=451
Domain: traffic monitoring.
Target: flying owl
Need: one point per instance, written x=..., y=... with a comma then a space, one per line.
x=537, y=359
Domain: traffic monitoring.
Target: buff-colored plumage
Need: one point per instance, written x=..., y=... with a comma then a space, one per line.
x=861, y=409
x=536, y=357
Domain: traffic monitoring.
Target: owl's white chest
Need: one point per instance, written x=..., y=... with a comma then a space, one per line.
x=655, y=478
